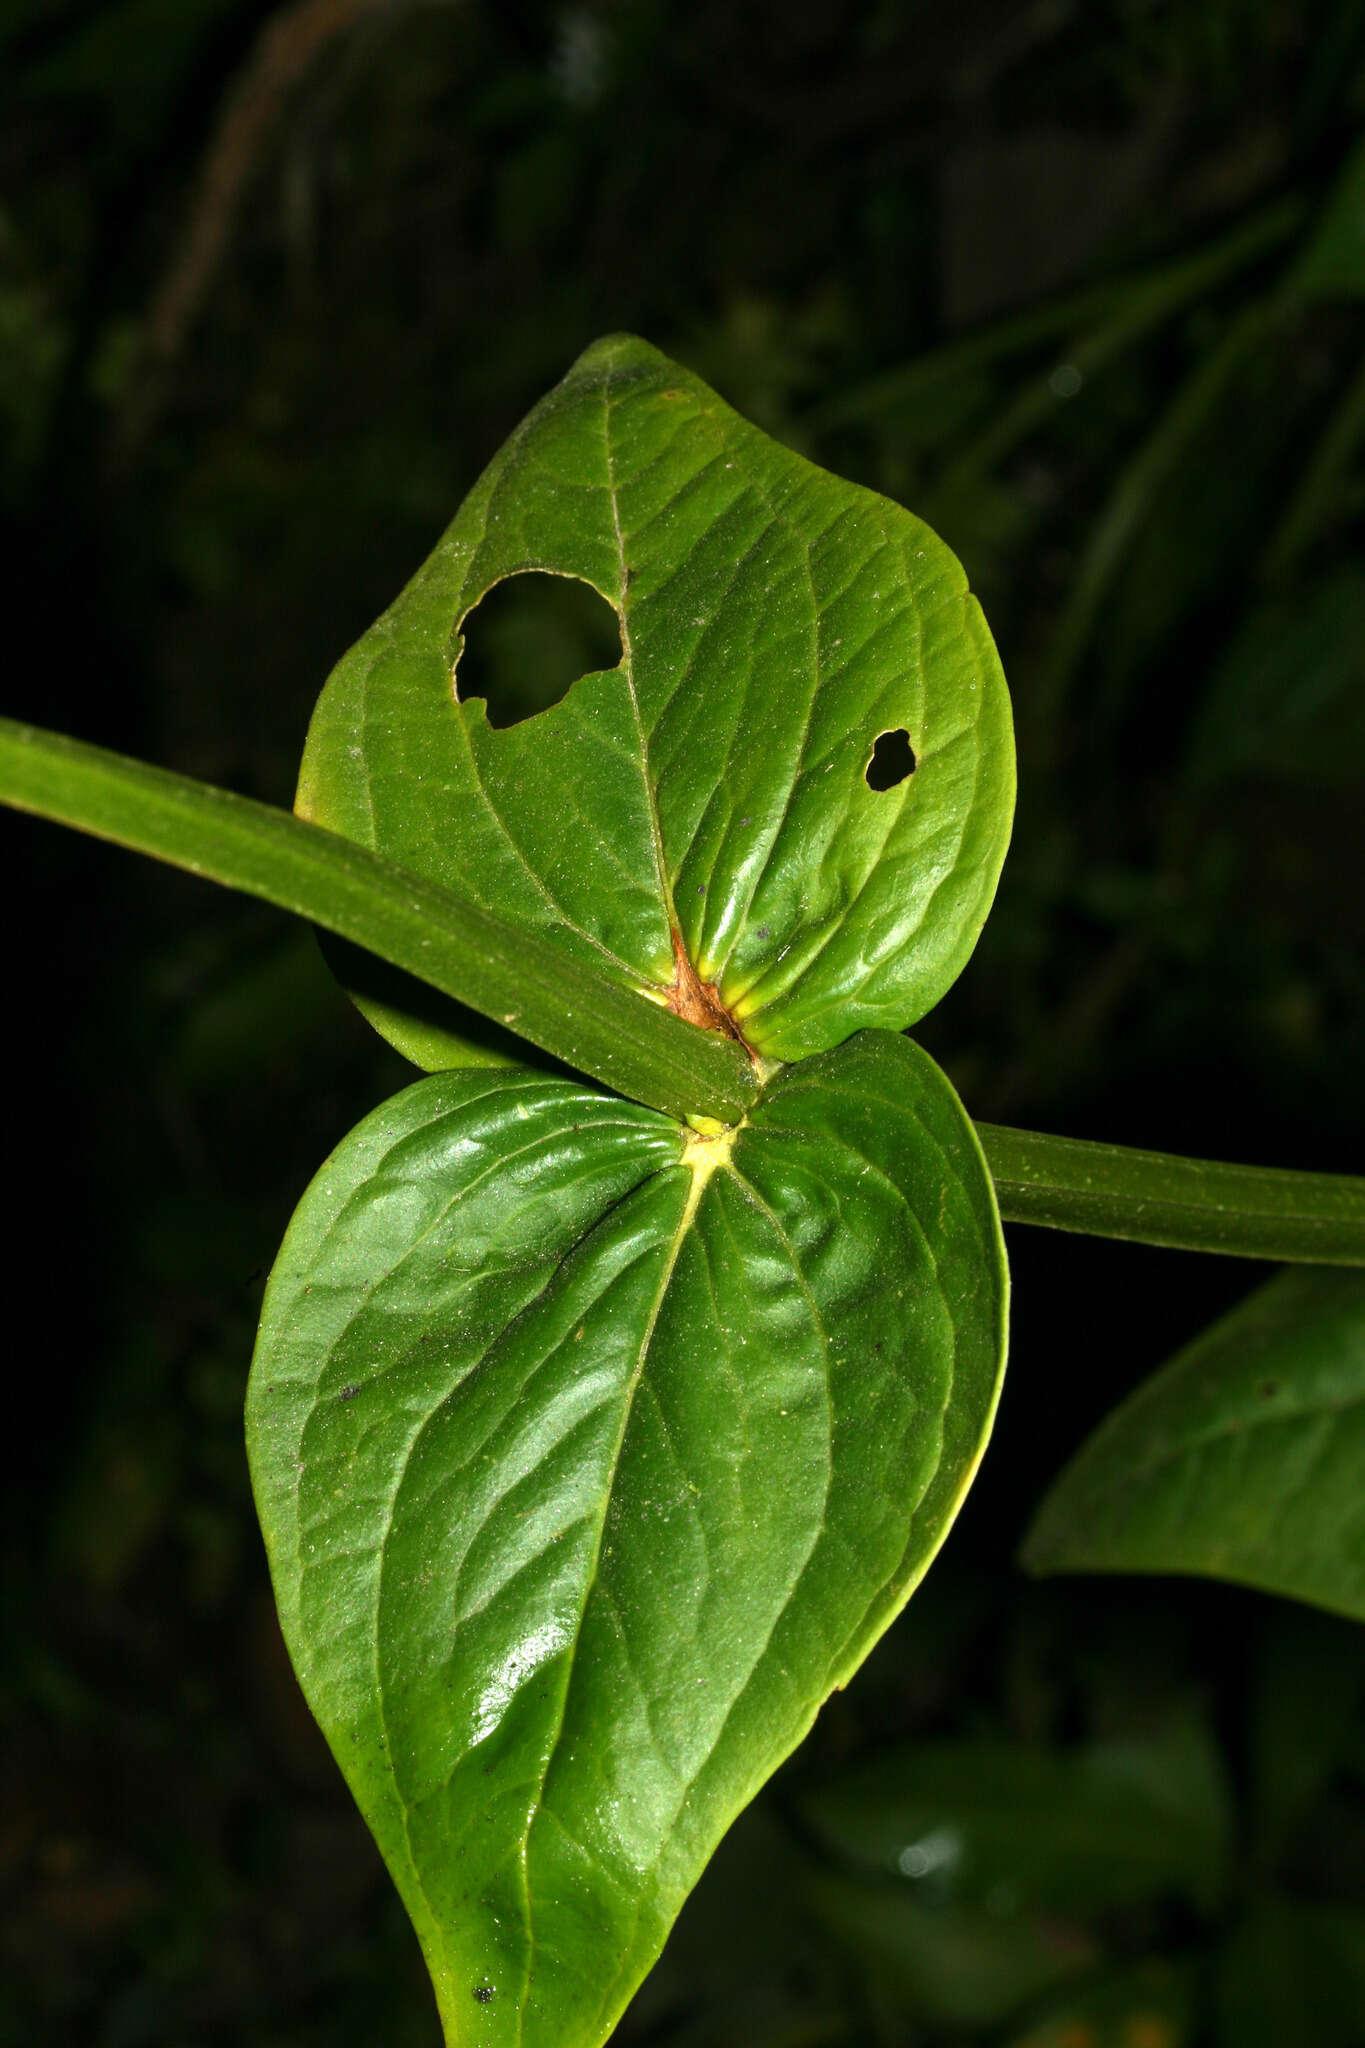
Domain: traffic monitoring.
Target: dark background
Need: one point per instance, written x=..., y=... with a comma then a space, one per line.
x=1085, y=286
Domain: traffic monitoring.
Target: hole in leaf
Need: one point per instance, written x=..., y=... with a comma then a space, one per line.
x=529, y=639
x=893, y=760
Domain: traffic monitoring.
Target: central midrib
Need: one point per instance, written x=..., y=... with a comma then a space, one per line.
x=697, y=1182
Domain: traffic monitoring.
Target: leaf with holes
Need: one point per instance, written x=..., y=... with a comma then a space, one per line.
x=783, y=812
x=591, y=1453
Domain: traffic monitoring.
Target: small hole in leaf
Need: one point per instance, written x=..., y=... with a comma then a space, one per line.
x=893, y=759
x=529, y=639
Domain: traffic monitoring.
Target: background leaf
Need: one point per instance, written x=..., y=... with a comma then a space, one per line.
x=1293, y=1976
x=590, y=1457
x=956, y=1966
x=1287, y=700
x=775, y=623
x=1332, y=264
x=1241, y=1459
x=1008, y=1828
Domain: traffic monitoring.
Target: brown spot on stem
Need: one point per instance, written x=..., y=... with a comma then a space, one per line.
x=698, y=1002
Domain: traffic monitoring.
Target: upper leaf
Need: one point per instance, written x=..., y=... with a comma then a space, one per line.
x=1241, y=1459
x=590, y=1455
x=708, y=797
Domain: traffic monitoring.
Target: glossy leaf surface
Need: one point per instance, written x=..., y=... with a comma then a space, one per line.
x=711, y=793
x=1241, y=1460
x=591, y=1455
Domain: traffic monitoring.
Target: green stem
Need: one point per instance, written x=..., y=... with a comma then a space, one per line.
x=519, y=977
x=622, y=1039
x=1201, y=1205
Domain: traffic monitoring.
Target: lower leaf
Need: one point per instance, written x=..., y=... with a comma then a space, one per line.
x=591, y=1454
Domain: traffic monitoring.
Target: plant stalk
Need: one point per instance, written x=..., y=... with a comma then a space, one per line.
x=517, y=976
x=633, y=1045
x=1201, y=1205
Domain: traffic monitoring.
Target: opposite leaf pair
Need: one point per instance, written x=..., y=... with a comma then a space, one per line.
x=593, y=1447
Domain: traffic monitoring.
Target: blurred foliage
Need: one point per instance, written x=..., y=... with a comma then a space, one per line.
x=1085, y=285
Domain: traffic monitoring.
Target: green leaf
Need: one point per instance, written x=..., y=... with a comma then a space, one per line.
x=591, y=1454
x=998, y=1826
x=461, y=948
x=1286, y=703
x=1240, y=1460
x=977, y=1875
x=954, y=1966
x=708, y=795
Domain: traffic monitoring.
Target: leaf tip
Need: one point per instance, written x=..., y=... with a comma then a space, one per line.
x=618, y=352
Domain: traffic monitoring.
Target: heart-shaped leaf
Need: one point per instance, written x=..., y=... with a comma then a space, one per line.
x=699, y=819
x=591, y=1453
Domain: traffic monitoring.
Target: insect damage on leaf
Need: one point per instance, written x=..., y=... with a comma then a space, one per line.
x=800, y=771
x=893, y=761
